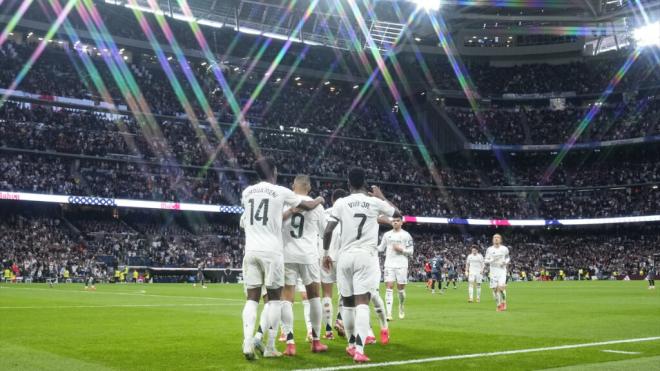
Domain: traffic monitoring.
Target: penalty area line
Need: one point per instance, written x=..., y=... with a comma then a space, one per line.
x=483, y=355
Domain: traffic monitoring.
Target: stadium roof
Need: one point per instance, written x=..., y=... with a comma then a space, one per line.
x=473, y=24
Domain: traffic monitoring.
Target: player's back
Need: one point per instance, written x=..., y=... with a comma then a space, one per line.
x=358, y=214
x=301, y=234
x=264, y=205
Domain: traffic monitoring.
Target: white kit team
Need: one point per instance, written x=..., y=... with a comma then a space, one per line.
x=292, y=241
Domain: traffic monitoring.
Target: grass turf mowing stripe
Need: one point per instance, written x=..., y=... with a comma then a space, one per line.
x=490, y=354
x=119, y=306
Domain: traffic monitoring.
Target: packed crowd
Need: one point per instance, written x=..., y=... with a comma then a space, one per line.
x=44, y=247
x=631, y=190
x=545, y=126
x=606, y=253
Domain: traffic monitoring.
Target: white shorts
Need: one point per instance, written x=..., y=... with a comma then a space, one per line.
x=475, y=278
x=400, y=275
x=357, y=274
x=263, y=269
x=497, y=278
x=329, y=276
x=308, y=273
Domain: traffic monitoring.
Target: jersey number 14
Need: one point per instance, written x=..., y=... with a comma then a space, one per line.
x=261, y=215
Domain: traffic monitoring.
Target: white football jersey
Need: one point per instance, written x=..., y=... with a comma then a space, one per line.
x=301, y=234
x=336, y=235
x=475, y=263
x=264, y=205
x=358, y=214
x=393, y=258
x=498, y=258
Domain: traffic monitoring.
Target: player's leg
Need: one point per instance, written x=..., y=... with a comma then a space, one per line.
x=288, y=295
x=263, y=321
x=326, y=302
x=379, y=308
x=401, y=281
x=478, y=283
x=274, y=281
x=306, y=311
x=471, y=284
x=311, y=278
x=345, y=286
x=253, y=275
x=389, y=293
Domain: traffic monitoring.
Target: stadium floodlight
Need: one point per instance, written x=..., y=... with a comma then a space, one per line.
x=428, y=5
x=648, y=35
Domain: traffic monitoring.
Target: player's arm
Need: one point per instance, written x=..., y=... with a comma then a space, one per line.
x=287, y=214
x=409, y=248
x=383, y=219
x=376, y=192
x=467, y=261
x=327, y=239
x=507, y=259
x=383, y=243
x=310, y=205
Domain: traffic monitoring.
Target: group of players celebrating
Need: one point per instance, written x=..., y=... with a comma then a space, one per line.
x=292, y=241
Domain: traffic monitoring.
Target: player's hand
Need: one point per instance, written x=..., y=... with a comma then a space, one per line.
x=327, y=263
x=320, y=200
x=398, y=248
x=376, y=192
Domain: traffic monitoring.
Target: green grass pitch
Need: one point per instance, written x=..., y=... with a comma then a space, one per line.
x=171, y=327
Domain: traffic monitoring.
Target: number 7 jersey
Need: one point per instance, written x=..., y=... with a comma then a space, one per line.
x=357, y=215
x=264, y=204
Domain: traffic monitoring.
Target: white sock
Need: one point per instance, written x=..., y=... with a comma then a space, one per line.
x=371, y=332
x=498, y=297
x=263, y=322
x=249, y=319
x=315, y=316
x=274, y=314
x=327, y=311
x=389, y=298
x=402, y=298
x=361, y=326
x=471, y=291
x=348, y=315
x=308, y=323
x=380, y=310
x=478, y=292
x=287, y=320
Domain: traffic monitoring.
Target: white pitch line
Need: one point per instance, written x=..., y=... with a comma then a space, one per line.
x=619, y=351
x=481, y=355
x=118, y=306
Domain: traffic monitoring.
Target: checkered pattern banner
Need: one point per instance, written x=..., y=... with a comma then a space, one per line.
x=93, y=201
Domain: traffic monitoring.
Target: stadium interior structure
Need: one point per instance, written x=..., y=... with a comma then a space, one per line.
x=128, y=127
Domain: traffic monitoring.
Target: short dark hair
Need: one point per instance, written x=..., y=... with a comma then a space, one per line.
x=265, y=168
x=338, y=193
x=356, y=178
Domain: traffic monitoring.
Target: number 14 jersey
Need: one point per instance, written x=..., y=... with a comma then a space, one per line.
x=264, y=203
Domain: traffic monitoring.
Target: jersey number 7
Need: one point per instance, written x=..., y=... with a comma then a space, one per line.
x=364, y=219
